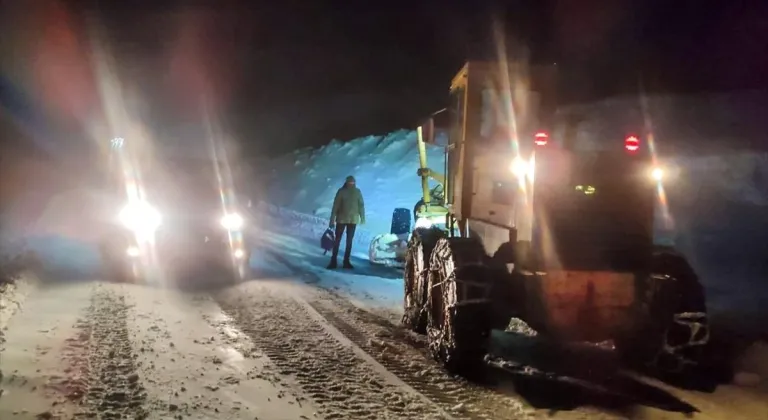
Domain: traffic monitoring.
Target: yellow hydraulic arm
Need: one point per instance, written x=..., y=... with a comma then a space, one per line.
x=425, y=173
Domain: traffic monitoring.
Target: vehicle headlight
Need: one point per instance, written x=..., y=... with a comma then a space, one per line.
x=140, y=217
x=133, y=251
x=232, y=221
x=657, y=174
x=519, y=167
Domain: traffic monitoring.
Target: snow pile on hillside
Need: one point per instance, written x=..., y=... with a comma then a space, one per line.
x=384, y=167
x=717, y=199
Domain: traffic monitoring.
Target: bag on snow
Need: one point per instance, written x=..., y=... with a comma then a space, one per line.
x=327, y=240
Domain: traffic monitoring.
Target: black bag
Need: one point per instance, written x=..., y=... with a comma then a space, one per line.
x=327, y=240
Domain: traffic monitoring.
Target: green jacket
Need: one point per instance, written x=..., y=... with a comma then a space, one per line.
x=348, y=206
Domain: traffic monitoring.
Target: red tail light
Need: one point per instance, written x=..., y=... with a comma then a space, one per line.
x=541, y=138
x=632, y=143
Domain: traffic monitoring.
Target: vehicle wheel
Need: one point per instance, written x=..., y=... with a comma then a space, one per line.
x=459, y=307
x=676, y=326
x=415, y=278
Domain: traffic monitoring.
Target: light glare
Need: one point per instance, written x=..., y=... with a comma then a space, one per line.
x=657, y=174
x=519, y=167
x=232, y=221
x=140, y=217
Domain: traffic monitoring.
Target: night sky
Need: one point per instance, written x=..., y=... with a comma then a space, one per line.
x=286, y=74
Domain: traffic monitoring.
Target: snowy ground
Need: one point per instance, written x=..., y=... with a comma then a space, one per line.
x=280, y=347
x=296, y=342
x=302, y=342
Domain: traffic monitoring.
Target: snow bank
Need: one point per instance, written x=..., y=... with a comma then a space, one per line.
x=308, y=227
x=12, y=296
x=384, y=167
x=717, y=195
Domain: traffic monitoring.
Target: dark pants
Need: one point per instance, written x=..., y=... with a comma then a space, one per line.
x=340, y=227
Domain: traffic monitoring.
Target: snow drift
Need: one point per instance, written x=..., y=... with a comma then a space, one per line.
x=384, y=167
x=717, y=194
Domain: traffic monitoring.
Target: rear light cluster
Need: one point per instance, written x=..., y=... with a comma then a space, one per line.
x=631, y=143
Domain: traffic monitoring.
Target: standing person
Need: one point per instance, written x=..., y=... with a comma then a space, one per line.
x=348, y=211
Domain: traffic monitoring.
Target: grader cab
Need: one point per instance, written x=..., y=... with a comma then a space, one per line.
x=538, y=224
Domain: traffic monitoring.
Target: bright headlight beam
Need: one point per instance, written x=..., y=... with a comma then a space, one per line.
x=519, y=167
x=140, y=217
x=232, y=221
x=657, y=174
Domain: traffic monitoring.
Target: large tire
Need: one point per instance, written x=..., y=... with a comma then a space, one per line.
x=459, y=305
x=415, y=278
x=676, y=327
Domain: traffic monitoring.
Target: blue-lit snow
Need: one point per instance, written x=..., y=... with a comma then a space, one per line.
x=719, y=204
x=384, y=167
x=718, y=197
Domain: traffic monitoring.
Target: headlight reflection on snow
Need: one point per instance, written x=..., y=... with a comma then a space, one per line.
x=423, y=223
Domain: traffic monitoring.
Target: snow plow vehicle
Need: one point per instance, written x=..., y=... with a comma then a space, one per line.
x=178, y=221
x=543, y=228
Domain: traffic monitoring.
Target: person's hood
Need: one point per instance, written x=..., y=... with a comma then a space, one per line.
x=349, y=179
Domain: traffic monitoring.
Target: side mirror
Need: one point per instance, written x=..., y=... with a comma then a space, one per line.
x=427, y=131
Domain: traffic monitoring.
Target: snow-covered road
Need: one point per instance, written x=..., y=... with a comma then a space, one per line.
x=296, y=342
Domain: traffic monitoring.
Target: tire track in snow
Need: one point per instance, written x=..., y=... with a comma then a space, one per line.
x=410, y=362
x=101, y=360
x=341, y=383
x=414, y=367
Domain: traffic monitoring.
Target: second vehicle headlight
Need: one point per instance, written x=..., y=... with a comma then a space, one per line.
x=232, y=221
x=519, y=167
x=140, y=217
x=657, y=174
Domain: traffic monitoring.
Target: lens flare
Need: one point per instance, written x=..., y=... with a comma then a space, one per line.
x=232, y=221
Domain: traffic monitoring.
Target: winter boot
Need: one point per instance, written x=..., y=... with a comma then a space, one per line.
x=332, y=265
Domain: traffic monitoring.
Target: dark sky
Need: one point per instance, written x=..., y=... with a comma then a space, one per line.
x=290, y=73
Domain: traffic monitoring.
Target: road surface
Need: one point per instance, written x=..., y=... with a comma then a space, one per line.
x=278, y=347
